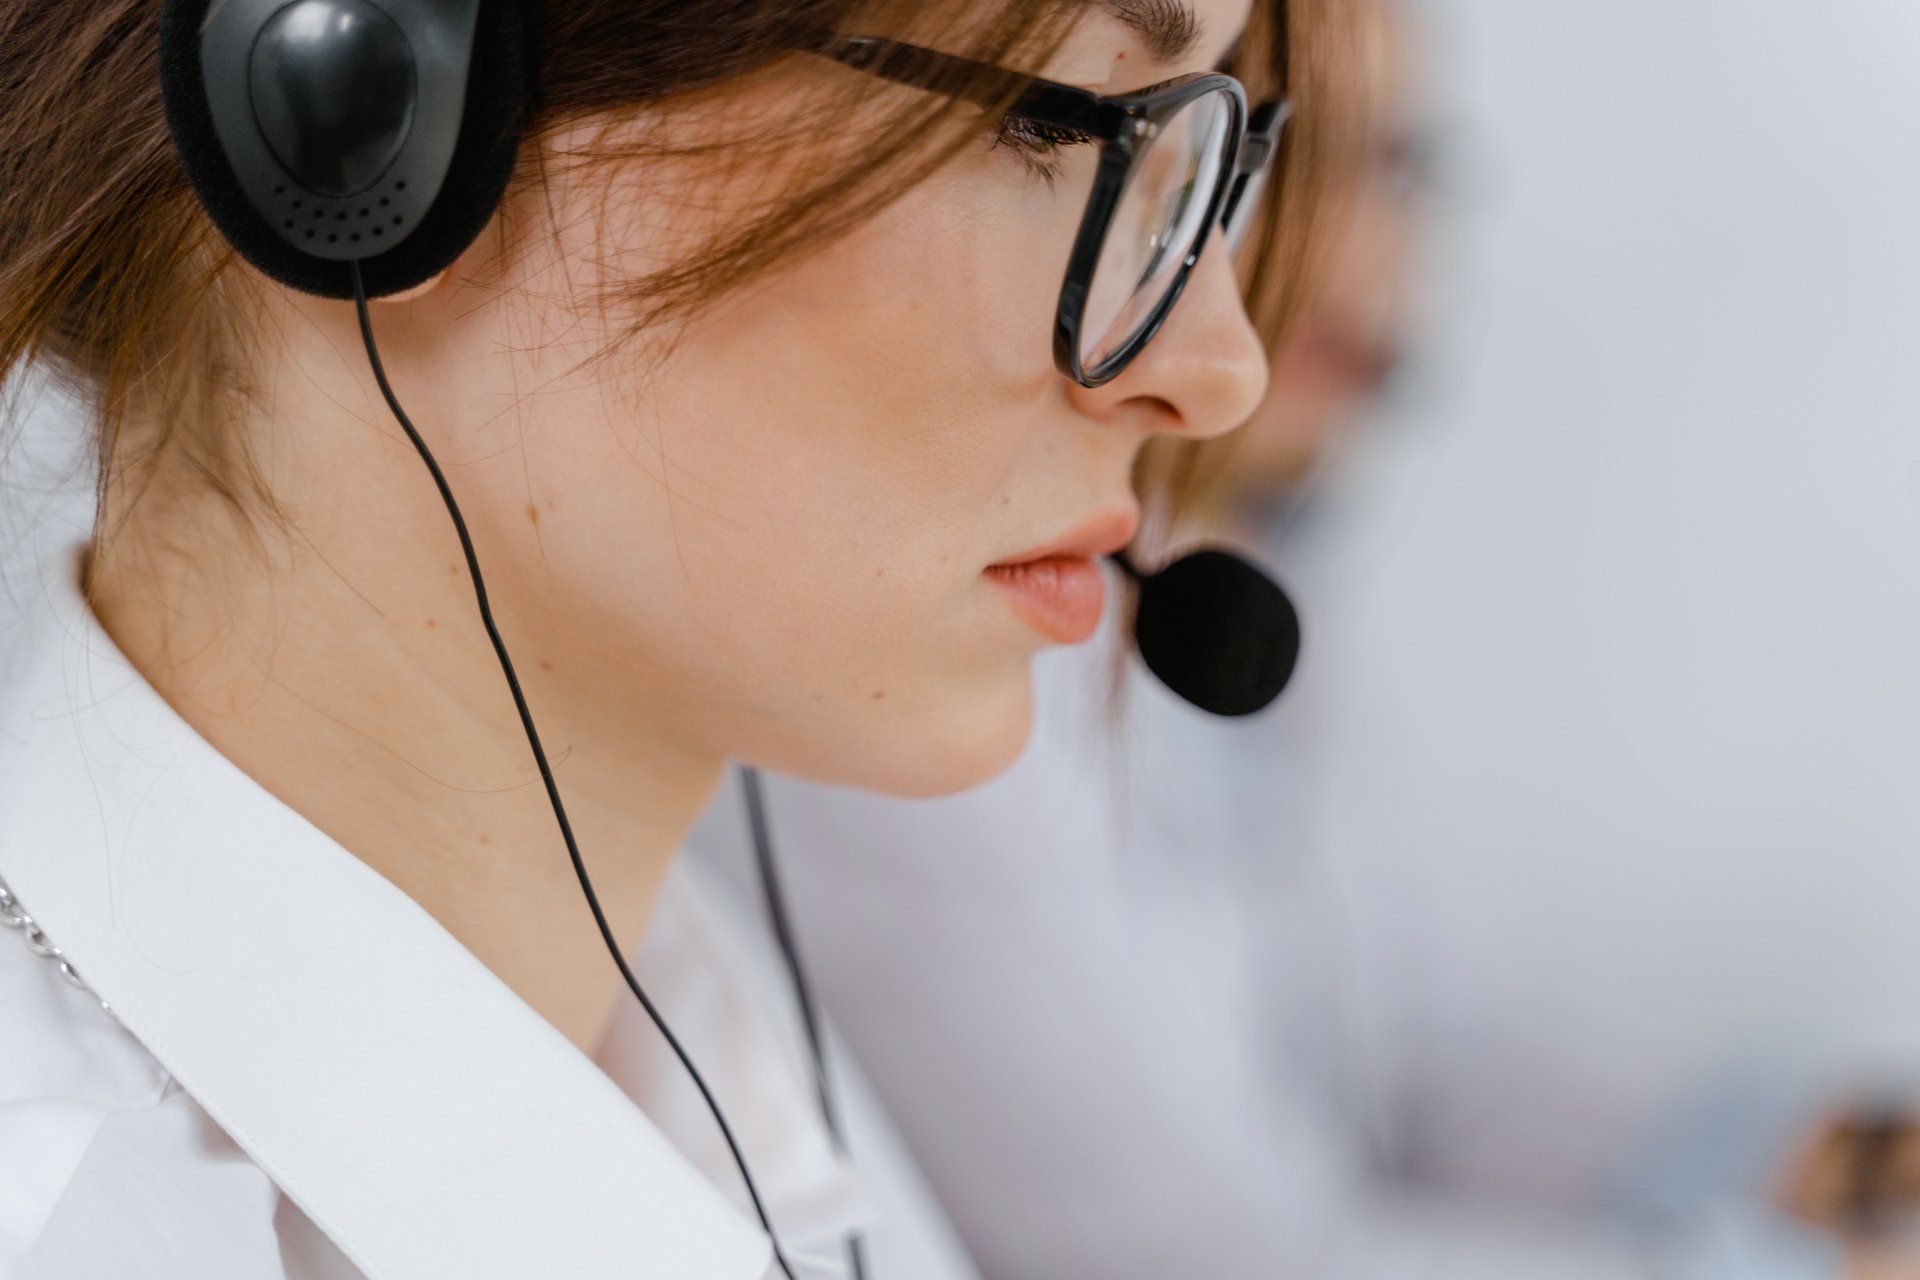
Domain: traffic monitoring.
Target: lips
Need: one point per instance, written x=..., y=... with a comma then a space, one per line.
x=1058, y=589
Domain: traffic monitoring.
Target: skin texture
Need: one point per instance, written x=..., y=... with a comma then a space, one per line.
x=767, y=545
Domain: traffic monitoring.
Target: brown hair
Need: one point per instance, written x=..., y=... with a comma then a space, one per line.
x=114, y=282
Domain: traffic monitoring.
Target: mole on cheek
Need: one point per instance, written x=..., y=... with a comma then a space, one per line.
x=879, y=694
x=533, y=514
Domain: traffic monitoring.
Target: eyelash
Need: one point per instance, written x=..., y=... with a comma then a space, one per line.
x=1033, y=143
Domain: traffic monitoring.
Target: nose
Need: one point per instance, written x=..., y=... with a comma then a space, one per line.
x=1204, y=373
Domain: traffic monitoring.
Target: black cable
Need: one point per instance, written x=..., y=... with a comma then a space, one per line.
x=546, y=772
x=802, y=989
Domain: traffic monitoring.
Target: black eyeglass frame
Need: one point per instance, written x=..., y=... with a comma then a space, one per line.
x=1125, y=125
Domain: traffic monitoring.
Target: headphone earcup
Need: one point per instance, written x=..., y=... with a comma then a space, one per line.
x=497, y=87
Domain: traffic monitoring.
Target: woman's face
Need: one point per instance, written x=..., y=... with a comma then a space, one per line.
x=786, y=541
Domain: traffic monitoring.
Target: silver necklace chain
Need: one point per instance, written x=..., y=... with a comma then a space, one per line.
x=14, y=916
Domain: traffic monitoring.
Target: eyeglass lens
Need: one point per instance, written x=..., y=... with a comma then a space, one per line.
x=1157, y=222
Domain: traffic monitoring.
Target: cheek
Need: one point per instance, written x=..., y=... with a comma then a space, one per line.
x=872, y=402
x=932, y=322
x=776, y=537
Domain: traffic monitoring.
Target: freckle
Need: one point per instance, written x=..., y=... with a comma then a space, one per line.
x=879, y=694
x=453, y=571
x=432, y=623
x=819, y=697
x=1006, y=499
x=545, y=665
x=880, y=573
x=533, y=514
x=484, y=837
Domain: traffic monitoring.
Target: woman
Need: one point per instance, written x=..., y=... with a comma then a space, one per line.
x=747, y=392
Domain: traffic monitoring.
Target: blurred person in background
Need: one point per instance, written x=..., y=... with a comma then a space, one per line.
x=1170, y=999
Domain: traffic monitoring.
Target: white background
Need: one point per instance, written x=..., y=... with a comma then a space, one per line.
x=1634, y=563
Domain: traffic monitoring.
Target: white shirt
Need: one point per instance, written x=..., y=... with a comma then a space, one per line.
x=304, y=1077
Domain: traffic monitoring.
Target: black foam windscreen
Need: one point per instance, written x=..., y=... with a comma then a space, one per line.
x=1218, y=632
x=498, y=84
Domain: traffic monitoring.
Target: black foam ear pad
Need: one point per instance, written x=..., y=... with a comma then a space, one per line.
x=498, y=84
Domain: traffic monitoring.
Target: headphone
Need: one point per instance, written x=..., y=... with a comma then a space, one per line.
x=323, y=133
x=355, y=148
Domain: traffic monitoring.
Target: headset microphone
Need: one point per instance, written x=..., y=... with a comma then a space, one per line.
x=1216, y=630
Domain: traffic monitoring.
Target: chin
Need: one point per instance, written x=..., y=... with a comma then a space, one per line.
x=962, y=743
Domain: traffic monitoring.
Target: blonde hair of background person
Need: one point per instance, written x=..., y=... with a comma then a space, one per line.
x=1309, y=266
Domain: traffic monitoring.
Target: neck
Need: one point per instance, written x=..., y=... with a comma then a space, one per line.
x=348, y=674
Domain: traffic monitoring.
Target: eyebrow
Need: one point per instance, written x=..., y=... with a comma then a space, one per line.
x=1168, y=27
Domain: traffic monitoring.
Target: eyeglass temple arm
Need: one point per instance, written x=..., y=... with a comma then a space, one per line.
x=983, y=83
x=1263, y=135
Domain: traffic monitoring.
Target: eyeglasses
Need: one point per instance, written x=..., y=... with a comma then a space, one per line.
x=1174, y=161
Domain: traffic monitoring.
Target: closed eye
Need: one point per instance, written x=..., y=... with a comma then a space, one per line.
x=1037, y=144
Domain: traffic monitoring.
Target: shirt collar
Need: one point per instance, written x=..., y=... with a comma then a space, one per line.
x=424, y=1117
x=715, y=978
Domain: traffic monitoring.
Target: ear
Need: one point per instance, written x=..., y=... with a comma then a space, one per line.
x=497, y=82
x=419, y=290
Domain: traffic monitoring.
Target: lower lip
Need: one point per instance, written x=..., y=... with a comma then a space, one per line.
x=1061, y=597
